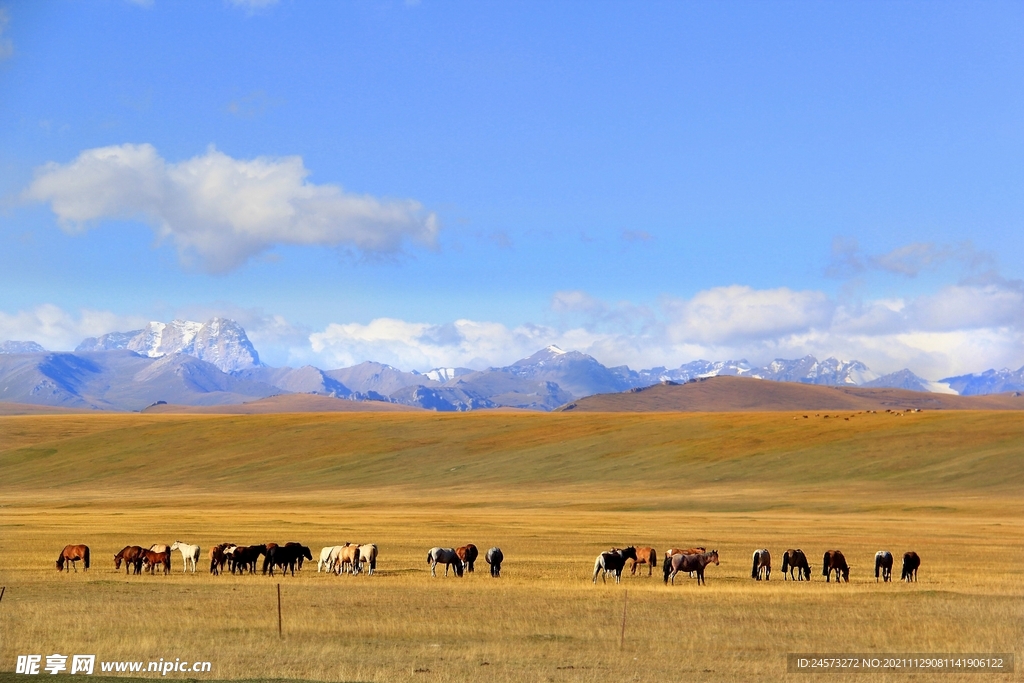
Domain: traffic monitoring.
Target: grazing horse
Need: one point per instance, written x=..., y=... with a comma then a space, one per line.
x=348, y=556
x=189, y=554
x=834, y=561
x=151, y=559
x=286, y=557
x=446, y=556
x=368, y=557
x=648, y=556
x=613, y=561
x=494, y=558
x=468, y=554
x=72, y=554
x=325, y=562
x=689, y=563
x=795, y=559
x=911, y=562
x=131, y=555
x=246, y=557
x=762, y=565
x=883, y=565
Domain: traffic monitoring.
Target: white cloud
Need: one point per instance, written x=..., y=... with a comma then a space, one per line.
x=220, y=211
x=57, y=330
x=737, y=313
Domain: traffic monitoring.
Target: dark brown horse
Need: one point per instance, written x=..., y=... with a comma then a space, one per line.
x=131, y=555
x=689, y=563
x=72, y=554
x=286, y=557
x=151, y=559
x=245, y=558
x=795, y=560
x=468, y=554
x=911, y=562
x=835, y=561
x=644, y=555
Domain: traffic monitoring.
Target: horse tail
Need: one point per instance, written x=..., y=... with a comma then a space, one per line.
x=428, y=557
x=667, y=568
x=785, y=562
x=753, y=569
x=597, y=567
x=86, y=558
x=878, y=565
x=825, y=566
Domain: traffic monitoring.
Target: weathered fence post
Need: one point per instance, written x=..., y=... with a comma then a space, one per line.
x=622, y=636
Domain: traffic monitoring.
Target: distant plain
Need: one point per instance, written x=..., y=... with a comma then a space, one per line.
x=552, y=490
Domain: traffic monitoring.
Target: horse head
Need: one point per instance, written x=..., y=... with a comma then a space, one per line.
x=60, y=562
x=713, y=556
x=629, y=553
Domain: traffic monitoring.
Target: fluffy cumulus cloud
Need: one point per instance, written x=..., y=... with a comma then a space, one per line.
x=959, y=329
x=58, y=330
x=220, y=211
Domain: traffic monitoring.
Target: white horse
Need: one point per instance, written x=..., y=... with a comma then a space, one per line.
x=327, y=558
x=448, y=556
x=368, y=556
x=189, y=554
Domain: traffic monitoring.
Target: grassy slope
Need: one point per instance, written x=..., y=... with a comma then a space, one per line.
x=928, y=452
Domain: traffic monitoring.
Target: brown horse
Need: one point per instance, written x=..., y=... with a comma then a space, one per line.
x=671, y=552
x=644, y=555
x=131, y=555
x=795, y=559
x=151, y=559
x=911, y=562
x=689, y=563
x=72, y=554
x=835, y=561
x=468, y=554
x=762, y=565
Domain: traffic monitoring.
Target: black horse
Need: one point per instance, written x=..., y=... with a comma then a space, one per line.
x=494, y=558
x=911, y=562
x=795, y=560
x=245, y=558
x=286, y=557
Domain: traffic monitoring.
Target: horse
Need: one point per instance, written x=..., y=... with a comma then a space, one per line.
x=285, y=557
x=151, y=559
x=911, y=562
x=671, y=552
x=217, y=558
x=689, y=563
x=246, y=557
x=613, y=561
x=795, y=559
x=325, y=562
x=834, y=561
x=762, y=565
x=368, y=556
x=189, y=554
x=72, y=554
x=648, y=556
x=468, y=554
x=348, y=555
x=303, y=551
x=162, y=548
x=883, y=565
x=494, y=558
x=131, y=555
x=446, y=556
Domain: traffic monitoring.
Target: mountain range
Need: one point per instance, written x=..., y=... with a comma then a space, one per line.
x=214, y=363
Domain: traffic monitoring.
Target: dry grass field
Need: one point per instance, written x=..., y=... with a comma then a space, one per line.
x=552, y=491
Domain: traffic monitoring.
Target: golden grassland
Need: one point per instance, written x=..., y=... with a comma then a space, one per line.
x=552, y=491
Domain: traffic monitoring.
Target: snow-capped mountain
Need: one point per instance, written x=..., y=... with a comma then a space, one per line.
x=21, y=347
x=988, y=382
x=219, y=341
x=809, y=370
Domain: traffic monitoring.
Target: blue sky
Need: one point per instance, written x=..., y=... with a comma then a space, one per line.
x=455, y=183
